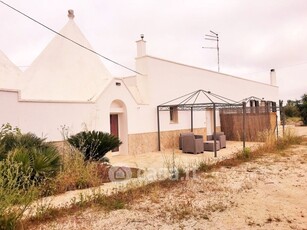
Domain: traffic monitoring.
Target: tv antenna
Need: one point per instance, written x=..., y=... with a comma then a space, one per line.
x=214, y=37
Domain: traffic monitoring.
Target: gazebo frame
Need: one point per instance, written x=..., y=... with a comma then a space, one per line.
x=189, y=102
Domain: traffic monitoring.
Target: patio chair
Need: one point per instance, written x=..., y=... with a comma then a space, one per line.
x=192, y=143
x=220, y=136
x=181, y=136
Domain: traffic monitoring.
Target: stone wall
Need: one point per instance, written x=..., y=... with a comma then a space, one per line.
x=148, y=142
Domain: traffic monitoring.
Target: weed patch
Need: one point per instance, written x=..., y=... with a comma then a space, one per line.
x=124, y=199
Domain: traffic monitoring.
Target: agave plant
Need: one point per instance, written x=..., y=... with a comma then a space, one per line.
x=94, y=144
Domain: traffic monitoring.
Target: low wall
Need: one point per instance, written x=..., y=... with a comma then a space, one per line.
x=148, y=142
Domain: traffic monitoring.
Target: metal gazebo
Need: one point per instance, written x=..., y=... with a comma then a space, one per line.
x=199, y=100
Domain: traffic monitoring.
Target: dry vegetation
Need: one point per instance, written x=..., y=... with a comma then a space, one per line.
x=263, y=188
x=76, y=173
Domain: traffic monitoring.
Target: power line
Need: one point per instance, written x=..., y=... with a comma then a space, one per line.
x=69, y=39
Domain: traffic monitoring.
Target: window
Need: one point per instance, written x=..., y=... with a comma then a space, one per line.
x=173, y=114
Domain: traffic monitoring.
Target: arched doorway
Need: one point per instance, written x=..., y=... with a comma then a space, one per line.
x=118, y=125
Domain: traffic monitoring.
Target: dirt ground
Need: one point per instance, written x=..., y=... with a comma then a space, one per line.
x=268, y=193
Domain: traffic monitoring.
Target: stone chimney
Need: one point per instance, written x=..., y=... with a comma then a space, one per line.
x=71, y=14
x=141, y=47
x=273, y=77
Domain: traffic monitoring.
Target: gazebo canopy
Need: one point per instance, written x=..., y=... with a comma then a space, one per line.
x=199, y=100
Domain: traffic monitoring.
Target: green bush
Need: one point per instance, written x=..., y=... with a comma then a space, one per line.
x=32, y=152
x=297, y=108
x=43, y=162
x=7, y=128
x=291, y=111
x=303, y=108
x=10, y=141
x=246, y=153
x=94, y=144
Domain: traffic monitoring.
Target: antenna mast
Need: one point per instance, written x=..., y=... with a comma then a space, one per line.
x=214, y=37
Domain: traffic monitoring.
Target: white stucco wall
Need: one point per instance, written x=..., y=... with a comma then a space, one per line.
x=46, y=118
x=180, y=79
x=9, y=109
x=168, y=80
x=10, y=74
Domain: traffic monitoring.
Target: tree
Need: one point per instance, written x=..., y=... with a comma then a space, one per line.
x=303, y=108
x=291, y=109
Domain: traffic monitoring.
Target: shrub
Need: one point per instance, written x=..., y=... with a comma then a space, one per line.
x=94, y=144
x=74, y=174
x=273, y=144
x=291, y=111
x=32, y=152
x=15, y=197
x=6, y=129
x=12, y=140
x=43, y=162
x=246, y=153
x=204, y=167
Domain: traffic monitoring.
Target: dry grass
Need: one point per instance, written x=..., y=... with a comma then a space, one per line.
x=274, y=145
x=74, y=174
x=78, y=174
x=294, y=121
x=157, y=191
x=118, y=200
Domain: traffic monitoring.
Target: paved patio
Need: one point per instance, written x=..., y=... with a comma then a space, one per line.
x=156, y=160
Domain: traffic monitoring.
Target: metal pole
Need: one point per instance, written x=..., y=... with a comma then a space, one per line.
x=158, y=117
x=191, y=119
x=276, y=125
x=244, y=115
x=282, y=116
x=218, y=52
x=214, y=131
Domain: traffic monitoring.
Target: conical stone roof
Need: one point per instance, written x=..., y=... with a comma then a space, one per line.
x=9, y=73
x=65, y=71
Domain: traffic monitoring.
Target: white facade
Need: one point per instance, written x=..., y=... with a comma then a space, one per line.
x=9, y=73
x=68, y=86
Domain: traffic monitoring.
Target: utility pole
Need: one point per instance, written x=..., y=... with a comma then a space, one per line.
x=214, y=37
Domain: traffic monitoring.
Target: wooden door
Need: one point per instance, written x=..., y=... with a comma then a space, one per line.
x=114, y=128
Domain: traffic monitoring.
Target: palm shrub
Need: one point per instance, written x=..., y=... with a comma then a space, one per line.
x=32, y=152
x=11, y=141
x=94, y=144
x=44, y=162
